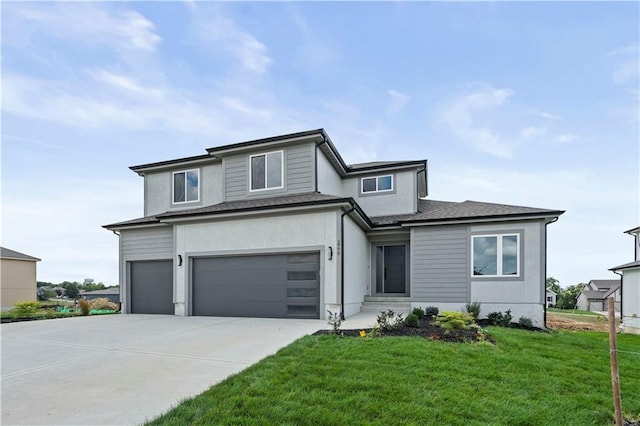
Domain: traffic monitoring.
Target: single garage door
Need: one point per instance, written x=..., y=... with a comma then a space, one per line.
x=152, y=287
x=267, y=286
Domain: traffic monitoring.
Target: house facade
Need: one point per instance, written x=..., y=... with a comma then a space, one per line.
x=630, y=288
x=283, y=227
x=595, y=293
x=18, y=277
x=552, y=298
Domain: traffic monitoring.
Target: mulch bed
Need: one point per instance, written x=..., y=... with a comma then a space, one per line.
x=426, y=328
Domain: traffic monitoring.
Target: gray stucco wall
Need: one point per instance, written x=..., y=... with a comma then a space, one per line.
x=158, y=187
x=329, y=181
x=299, y=173
x=402, y=200
x=439, y=264
x=142, y=244
x=356, y=266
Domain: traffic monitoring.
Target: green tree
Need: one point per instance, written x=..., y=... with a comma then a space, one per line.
x=569, y=297
x=554, y=285
x=71, y=290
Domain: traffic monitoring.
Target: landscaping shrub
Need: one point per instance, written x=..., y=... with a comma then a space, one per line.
x=500, y=319
x=473, y=309
x=412, y=320
x=525, y=322
x=84, y=306
x=102, y=303
x=419, y=312
x=388, y=320
x=452, y=320
x=335, y=321
x=431, y=311
x=25, y=309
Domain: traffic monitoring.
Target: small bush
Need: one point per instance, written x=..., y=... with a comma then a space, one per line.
x=388, y=320
x=25, y=309
x=525, y=322
x=335, y=321
x=419, y=312
x=431, y=311
x=500, y=319
x=103, y=303
x=84, y=306
x=452, y=320
x=412, y=320
x=473, y=309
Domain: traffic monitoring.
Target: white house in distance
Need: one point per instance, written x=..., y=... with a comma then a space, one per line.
x=552, y=298
x=630, y=273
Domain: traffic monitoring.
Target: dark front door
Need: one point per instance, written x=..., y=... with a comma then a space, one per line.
x=391, y=268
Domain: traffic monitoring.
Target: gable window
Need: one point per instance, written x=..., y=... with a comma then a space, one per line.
x=266, y=171
x=496, y=255
x=377, y=184
x=186, y=186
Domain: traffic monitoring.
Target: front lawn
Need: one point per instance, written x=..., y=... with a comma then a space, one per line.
x=573, y=312
x=527, y=378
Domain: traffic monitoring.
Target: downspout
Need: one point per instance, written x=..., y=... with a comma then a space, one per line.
x=544, y=299
x=342, y=261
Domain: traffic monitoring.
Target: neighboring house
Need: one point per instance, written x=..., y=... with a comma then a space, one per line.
x=552, y=298
x=283, y=227
x=595, y=293
x=112, y=293
x=630, y=288
x=18, y=277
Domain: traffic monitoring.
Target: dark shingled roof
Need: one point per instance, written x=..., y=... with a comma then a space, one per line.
x=256, y=204
x=594, y=294
x=478, y=210
x=372, y=165
x=6, y=253
x=423, y=207
x=111, y=290
x=605, y=284
x=630, y=265
x=307, y=198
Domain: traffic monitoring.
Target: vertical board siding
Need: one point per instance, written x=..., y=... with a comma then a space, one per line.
x=440, y=265
x=299, y=173
x=152, y=243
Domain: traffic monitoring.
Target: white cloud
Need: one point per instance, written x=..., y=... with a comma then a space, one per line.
x=224, y=33
x=90, y=23
x=565, y=138
x=532, y=131
x=626, y=69
x=462, y=116
x=397, y=102
x=126, y=83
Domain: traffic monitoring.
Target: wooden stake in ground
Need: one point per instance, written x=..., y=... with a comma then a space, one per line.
x=613, y=347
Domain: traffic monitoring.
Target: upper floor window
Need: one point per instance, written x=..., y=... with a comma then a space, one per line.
x=496, y=255
x=266, y=171
x=186, y=186
x=377, y=184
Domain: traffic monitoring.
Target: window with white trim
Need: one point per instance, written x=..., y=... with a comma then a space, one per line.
x=376, y=184
x=266, y=171
x=496, y=255
x=186, y=186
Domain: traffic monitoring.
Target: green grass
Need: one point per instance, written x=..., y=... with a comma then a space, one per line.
x=573, y=312
x=526, y=379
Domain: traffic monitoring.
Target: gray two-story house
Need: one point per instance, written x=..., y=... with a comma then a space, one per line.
x=283, y=227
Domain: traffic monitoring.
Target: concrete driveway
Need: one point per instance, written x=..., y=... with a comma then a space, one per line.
x=123, y=369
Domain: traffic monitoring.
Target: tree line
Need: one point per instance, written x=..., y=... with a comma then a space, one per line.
x=70, y=289
x=567, y=297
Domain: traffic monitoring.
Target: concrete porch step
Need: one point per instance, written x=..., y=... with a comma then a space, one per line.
x=378, y=304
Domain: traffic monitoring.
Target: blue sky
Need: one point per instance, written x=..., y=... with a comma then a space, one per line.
x=531, y=104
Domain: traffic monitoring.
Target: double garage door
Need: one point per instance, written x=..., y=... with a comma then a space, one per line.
x=268, y=286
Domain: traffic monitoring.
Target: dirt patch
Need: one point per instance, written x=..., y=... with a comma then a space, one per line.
x=564, y=322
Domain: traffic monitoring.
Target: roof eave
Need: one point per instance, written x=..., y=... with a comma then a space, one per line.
x=163, y=165
x=273, y=140
x=488, y=218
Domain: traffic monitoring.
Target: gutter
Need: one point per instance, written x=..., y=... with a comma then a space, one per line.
x=342, y=260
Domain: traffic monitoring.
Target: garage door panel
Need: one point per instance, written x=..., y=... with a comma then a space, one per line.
x=283, y=285
x=151, y=287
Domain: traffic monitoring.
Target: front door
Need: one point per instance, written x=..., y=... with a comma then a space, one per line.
x=391, y=271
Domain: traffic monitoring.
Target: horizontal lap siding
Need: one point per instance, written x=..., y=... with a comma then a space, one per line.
x=236, y=177
x=300, y=165
x=440, y=264
x=153, y=243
